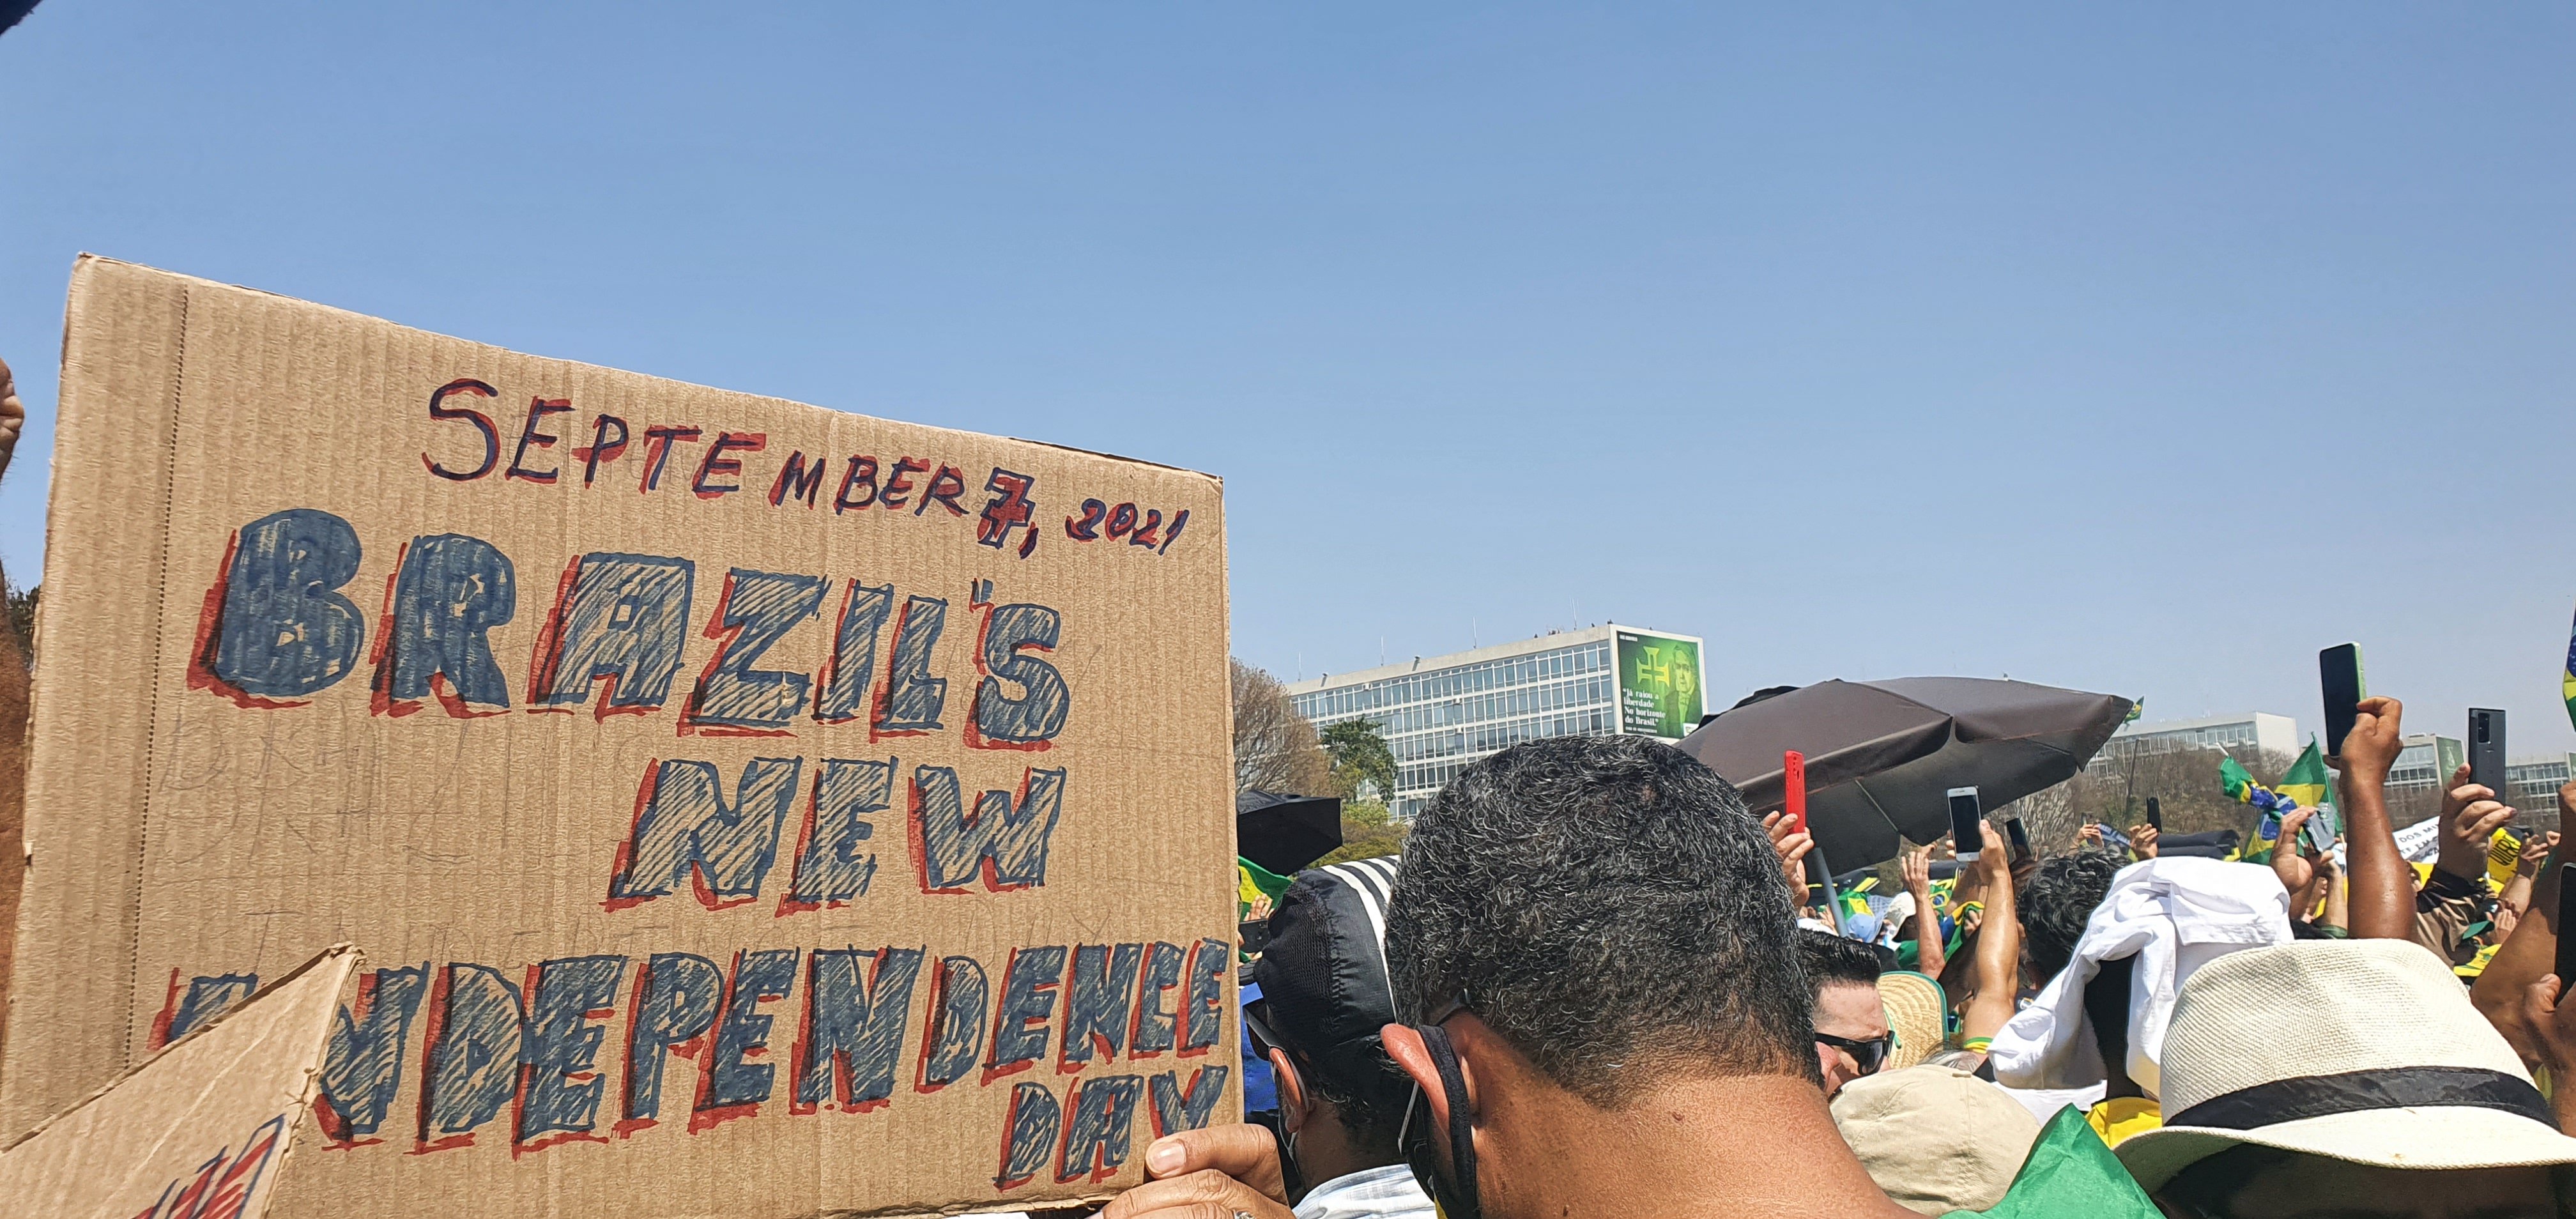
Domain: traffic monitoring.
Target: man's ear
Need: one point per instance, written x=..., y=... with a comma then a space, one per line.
x=1404, y=1044
x=1293, y=1110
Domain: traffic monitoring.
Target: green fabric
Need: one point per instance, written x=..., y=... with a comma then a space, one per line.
x=2307, y=781
x=2235, y=780
x=2070, y=1173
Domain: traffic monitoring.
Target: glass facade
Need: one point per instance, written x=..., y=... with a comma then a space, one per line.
x=2425, y=763
x=1439, y=720
x=2216, y=736
x=2532, y=786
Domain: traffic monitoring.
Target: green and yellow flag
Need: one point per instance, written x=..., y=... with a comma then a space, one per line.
x=2567, y=678
x=2307, y=781
x=2237, y=781
x=1256, y=888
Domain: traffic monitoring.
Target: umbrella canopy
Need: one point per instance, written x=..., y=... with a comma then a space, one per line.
x=1285, y=833
x=1881, y=755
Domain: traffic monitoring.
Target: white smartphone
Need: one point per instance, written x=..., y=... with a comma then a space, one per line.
x=1965, y=831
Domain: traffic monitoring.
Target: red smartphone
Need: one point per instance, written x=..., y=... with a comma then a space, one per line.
x=1793, y=777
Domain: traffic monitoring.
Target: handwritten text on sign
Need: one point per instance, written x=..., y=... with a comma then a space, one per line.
x=525, y=1057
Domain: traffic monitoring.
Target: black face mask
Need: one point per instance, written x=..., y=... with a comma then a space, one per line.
x=1453, y=1192
x=1256, y=1029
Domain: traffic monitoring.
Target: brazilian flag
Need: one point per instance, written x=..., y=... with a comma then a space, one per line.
x=2307, y=781
x=1255, y=885
x=2567, y=678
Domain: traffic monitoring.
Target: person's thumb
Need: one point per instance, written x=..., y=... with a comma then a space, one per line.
x=1242, y=1151
x=2540, y=1001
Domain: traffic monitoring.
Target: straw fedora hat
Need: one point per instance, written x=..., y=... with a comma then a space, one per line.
x=1916, y=1012
x=2359, y=1050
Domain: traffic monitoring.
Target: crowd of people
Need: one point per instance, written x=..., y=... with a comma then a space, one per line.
x=1596, y=984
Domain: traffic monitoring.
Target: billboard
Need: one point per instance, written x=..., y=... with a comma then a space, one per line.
x=1659, y=685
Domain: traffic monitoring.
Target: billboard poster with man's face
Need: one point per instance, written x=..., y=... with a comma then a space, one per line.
x=1659, y=694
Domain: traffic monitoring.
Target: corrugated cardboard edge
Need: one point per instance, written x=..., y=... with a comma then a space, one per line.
x=86, y=962
x=312, y=1076
x=195, y=282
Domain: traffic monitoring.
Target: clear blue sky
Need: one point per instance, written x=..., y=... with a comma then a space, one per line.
x=2138, y=350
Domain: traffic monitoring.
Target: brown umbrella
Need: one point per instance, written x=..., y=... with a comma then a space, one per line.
x=1881, y=755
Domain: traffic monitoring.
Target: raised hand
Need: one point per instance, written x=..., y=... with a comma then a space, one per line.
x=2294, y=869
x=2535, y=852
x=2142, y=840
x=2470, y=816
x=1917, y=867
x=2375, y=741
x=1791, y=848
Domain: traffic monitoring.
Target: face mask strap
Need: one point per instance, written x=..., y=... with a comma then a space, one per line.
x=1458, y=1186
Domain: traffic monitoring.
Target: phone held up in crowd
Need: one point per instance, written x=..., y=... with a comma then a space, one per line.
x=1966, y=834
x=2339, y=674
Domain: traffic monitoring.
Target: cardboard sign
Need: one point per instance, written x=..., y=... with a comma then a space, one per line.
x=749, y=808
x=198, y=1131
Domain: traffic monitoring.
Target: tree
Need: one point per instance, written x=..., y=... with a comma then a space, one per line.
x=1367, y=832
x=1363, y=764
x=22, y=619
x=1274, y=747
x=2183, y=781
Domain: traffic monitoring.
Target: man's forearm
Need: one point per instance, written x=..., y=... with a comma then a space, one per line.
x=2531, y=951
x=1930, y=952
x=1998, y=968
x=2383, y=887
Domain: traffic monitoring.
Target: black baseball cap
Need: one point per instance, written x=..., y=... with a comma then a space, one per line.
x=1323, y=977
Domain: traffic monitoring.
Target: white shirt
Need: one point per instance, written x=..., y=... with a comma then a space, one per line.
x=2174, y=915
x=1386, y=1192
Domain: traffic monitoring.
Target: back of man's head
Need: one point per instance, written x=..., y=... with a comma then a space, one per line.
x=1324, y=990
x=1609, y=907
x=1835, y=960
x=2056, y=903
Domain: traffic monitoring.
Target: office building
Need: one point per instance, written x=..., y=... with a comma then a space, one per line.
x=2532, y=784
x=1440, y=713
x=2425, y=765
x=2246, y=736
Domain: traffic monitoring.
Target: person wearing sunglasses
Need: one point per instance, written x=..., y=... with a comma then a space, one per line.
x=1852, y=1034
x=1600, y=1007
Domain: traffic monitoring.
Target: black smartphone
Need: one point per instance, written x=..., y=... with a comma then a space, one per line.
x=2020, y=837
x=1965, y=833
x=2339, y=673
x=2486, y=750
x=2566, y=927
x=2156, y=814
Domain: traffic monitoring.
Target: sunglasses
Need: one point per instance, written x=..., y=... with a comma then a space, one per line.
x=1256, y=1028
x=1869, y=1055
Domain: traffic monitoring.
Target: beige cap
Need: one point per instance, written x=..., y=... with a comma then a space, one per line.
x=1936, y=1138
x=2359, y=1050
